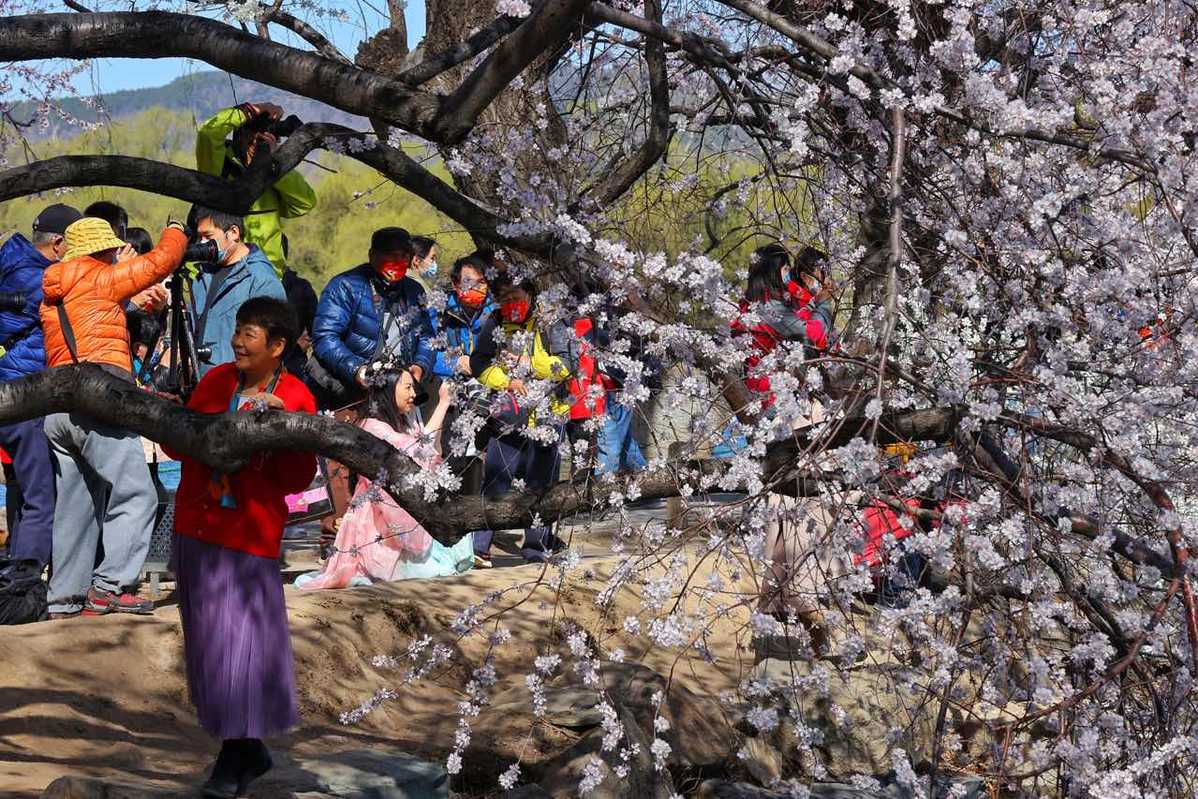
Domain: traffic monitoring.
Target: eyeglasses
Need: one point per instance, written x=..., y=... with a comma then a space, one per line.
x=468, y=283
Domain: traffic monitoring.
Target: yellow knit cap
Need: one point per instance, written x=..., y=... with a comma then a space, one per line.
x=88, y=236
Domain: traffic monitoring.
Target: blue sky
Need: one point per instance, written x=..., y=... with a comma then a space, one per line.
x=114, y=74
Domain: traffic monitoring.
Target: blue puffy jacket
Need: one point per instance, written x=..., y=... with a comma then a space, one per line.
x=21, y=268
x=349, y=322
x=461, y=326
x=252, y=276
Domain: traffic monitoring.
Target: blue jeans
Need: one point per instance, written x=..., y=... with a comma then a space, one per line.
x=34, y=521
x=513, y=457
x=618, y=450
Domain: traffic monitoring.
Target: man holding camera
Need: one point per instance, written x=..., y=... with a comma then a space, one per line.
x=23, y=263
x=104, y=489
x=255, y=129
x=237, y=272
x=371, y=312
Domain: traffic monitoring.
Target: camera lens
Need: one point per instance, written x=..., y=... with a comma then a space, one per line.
x=200, y=252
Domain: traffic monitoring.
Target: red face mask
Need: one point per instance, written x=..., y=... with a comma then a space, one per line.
x=515, y=312
x=797, y=294
x=392, y=271
x=473, y=297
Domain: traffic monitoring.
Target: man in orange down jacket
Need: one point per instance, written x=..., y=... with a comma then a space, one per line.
x=104, y=488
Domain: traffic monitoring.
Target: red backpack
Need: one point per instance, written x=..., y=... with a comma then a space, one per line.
x=586, y=374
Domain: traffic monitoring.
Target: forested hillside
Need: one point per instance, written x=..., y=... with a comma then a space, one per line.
x=197, y=95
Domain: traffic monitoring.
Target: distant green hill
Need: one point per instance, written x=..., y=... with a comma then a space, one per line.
x=352, y=199
x=198, y=95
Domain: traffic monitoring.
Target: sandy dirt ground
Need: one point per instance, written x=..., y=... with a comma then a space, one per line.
x=106, y=697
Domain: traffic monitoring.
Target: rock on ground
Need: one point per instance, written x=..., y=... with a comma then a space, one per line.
x=363, y=774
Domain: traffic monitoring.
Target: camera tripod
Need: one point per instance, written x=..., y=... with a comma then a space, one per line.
x=183, y=371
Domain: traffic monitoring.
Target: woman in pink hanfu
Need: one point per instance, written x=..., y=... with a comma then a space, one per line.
x=378, y=540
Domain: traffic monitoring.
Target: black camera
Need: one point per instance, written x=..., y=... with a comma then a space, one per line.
x=12, y=301
x=204, y=353
x=203, y=251
x=279, y=128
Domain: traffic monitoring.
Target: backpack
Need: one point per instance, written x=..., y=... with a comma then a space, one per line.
x=22, y=593
x=575, y=345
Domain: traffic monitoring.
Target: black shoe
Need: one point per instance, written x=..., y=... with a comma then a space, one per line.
x=255, y=761
x=223, y=783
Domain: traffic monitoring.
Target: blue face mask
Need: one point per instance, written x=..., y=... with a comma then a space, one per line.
x=429, y=269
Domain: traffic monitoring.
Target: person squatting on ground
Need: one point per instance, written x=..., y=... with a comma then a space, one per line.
x=23, y=264
x=240, y=271
x=105, y=494
x=785, y=302
x=511, y=455
x=367, y=313
x=228, y=533
x=226, y=145
x=378, y=540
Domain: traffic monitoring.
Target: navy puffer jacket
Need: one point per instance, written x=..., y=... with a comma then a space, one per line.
x=349, y=321
x=21, y=271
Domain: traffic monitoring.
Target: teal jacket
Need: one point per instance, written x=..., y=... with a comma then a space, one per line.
x=252, y=276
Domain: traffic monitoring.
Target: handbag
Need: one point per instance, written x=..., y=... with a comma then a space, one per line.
x=22, y=593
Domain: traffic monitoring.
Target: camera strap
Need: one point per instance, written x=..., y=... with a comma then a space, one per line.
x=210, y=299
x=68, y=332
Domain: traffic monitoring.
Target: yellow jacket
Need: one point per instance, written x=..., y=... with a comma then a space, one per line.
x=544, y=364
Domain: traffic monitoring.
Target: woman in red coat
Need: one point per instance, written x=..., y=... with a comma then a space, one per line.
x=228, y=531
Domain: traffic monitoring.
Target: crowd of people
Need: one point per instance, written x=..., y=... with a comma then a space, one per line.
x=371, y=349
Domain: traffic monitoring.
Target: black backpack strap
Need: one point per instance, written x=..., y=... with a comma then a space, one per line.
x=210, y=299
x=68, y=332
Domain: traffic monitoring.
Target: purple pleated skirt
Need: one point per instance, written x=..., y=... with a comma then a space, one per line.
x=235, y=640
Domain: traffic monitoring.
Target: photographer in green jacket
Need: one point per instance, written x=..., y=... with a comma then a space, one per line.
x=228, y=143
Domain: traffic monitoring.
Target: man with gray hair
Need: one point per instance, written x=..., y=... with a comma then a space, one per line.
x=22, y=353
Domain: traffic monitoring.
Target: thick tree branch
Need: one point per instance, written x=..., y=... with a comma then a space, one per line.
x=544, y=30
x=229, y=441
x=162, y=178
x=303, y=30
x=433, y=66
x=156, y=34
x=238, y=195
x=623, y=171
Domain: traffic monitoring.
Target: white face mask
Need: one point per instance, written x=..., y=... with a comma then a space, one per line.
x=429, y=269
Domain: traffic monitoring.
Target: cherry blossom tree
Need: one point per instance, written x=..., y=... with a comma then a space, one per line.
x=1004, y=194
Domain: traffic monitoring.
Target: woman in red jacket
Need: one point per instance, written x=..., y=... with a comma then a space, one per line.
x=228, y=531
x=784, y=302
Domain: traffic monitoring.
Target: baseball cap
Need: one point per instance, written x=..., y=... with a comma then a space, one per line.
x=56, y=219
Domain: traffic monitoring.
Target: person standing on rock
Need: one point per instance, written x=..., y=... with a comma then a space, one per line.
x=228, y=534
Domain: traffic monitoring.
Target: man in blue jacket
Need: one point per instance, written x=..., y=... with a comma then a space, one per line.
x=241, y=271
x=374, y=311
x=22, y=263
x=371, y=312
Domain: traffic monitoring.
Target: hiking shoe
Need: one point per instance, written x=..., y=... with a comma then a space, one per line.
x=100, y=602
x=254, y=761
x=482, y=562
x=223, y=783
